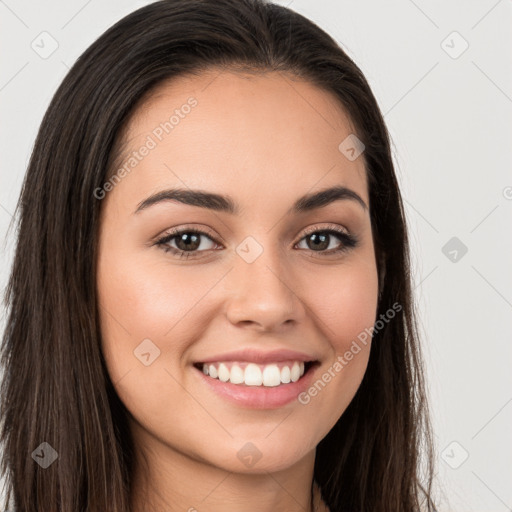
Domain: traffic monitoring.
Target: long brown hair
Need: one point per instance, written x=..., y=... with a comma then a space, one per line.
x=56, y=388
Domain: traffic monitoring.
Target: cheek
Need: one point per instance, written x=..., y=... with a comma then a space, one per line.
x=141, y=300
x=345, y=302
x=145, y=331
x=344, y=305
x=142, y=296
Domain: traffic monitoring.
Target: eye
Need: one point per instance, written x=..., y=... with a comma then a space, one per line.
x=188, y=241
x=319, y=240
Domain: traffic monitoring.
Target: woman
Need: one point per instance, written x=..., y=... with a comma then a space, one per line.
x=210, y=302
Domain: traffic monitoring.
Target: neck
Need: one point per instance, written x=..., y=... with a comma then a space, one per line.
x=172, y=481
x=319, y=504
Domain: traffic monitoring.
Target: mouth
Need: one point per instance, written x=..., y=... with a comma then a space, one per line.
x=248, y=374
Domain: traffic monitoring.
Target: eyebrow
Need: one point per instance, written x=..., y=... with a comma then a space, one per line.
x=221, y=203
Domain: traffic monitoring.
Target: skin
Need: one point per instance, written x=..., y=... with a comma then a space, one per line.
x=265, y=140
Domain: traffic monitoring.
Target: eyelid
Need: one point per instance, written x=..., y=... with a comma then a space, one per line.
x=203, y=230
x=334, y=227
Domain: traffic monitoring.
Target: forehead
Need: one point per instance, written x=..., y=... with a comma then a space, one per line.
x=253, y=132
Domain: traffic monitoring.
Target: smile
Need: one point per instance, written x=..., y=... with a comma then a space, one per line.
x=251, y=374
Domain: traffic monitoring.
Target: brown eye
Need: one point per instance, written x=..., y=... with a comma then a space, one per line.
x=187, y=242
x=325, y=241
x=318, y=241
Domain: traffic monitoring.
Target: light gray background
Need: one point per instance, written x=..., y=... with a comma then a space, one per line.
x=449, y=116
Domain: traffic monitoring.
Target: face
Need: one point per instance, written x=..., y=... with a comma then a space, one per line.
x=274, y=282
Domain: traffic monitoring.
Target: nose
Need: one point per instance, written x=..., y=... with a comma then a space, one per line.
x=262, y=294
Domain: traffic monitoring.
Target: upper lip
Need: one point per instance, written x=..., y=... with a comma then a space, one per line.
x=259, y=357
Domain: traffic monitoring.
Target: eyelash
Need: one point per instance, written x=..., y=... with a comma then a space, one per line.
x=348, y=241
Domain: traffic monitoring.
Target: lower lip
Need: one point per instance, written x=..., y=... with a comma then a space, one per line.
x=260, y=397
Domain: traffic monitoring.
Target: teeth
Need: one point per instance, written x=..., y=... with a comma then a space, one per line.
x=295, y=373
x=223, y=372
x=250, y=374
x=271, y=375
x=285, y=375
x=236, y=375
x=212, y=371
